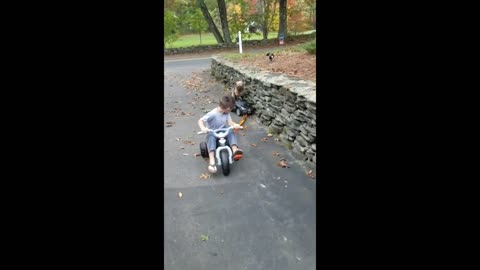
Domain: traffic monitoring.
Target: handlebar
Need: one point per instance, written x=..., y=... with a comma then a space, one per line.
x=221, y=132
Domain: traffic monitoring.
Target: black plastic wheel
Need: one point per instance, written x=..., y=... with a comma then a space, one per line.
x=239, y=112
x=203, y=149
x=225, y=162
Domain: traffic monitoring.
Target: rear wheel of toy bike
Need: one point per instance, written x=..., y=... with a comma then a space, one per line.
x=239, y=112
x=203, y=149
x=225, y=162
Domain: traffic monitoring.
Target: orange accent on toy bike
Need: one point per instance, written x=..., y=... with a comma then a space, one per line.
x=244, y=118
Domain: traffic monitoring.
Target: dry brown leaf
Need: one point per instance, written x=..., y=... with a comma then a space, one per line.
x=254, y=145
x=276, y=154
x=283, y=163
x=265, y=139
x=204, y=176
x=196, y=154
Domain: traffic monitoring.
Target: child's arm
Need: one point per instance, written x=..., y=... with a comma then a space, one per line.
x=231, y=123
x=201, y=124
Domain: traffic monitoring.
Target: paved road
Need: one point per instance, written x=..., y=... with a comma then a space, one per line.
x=260, y=217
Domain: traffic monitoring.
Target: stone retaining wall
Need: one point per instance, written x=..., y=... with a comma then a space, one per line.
x=285, y=105
x=245, y=44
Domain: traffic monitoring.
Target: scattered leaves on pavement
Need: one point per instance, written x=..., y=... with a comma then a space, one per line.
x=283, y=163
x=204, y=176
x=204, y=237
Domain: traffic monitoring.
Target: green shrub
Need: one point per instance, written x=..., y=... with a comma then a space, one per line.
x=311, y=47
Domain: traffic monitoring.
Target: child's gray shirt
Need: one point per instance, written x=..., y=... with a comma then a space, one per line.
x=216, y=120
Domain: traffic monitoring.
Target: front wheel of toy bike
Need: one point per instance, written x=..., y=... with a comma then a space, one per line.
x=203, y=149
x=225, y=162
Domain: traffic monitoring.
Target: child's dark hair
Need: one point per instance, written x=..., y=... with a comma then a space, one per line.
x=226, y=102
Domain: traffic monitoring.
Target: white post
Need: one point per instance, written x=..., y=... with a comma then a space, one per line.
x=240, y=41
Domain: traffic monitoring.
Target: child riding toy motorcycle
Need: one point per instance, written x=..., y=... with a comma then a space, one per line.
x=218, y=125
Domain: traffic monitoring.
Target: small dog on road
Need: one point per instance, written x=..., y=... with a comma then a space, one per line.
x=270, y=56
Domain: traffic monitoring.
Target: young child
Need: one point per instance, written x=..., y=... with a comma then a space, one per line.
x=220, y=118
x=237, y=90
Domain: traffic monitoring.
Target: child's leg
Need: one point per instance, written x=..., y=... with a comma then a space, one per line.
x=232, y=139
x=211, y=145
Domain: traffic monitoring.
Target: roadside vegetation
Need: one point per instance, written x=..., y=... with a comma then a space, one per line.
x=207, y=22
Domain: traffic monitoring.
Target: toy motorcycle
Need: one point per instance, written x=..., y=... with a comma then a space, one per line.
x=223, y=152
x=242, y=107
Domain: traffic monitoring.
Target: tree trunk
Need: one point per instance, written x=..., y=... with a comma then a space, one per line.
x=223, y=19
x=282, y=29
x=211, y=25
x=265, y=33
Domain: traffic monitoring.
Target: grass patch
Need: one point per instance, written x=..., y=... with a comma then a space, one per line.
x=209, y=39
x=311, y=46
x=236, y=56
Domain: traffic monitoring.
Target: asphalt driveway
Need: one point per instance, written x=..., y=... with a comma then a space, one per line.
x=261, y=216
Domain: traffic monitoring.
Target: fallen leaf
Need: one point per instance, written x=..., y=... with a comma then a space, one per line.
x=277, y=139
x=196, y=154
x=310, y=174
x=270, y=135
x=254, y=145
x=180, y=194
x=185, y=154
x=276, y=154
x=204, y=237
x=264, y=139
x=283, y=163
x=177, y=139
x=263, y=186
x=204, y=176
x=181, y=147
